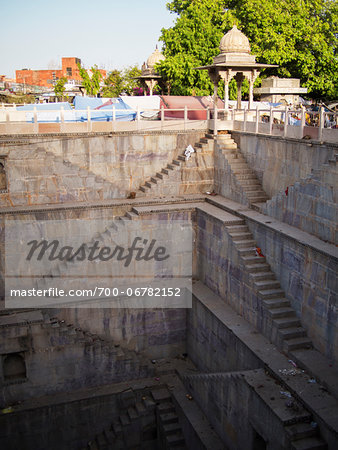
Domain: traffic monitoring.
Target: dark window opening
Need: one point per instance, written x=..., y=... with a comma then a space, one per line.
x=69, y=72
x=3, y=178
x=14, y=367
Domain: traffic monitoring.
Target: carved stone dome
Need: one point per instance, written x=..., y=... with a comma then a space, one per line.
x=234, y=41
x=154, y=58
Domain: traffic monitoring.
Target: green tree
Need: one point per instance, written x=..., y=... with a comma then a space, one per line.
x=129, y=74
x=59, y=87
x=91, y=82
x=299, y=35
x=113, y=84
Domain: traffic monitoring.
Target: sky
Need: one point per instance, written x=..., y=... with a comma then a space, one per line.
x=36, y=34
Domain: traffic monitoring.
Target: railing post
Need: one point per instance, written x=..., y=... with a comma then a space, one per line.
x=208, y=114
x=215, y=120
x=162, y=117
x=245, y=119
x=185, y=116
x=138, y=116
x=286, y=122
x=271, y=121
x=114, y=118
x=257, y=120
x=35, y=119
x=89, y=120
x=62, y=114
x=321, y=123
x=302, y=123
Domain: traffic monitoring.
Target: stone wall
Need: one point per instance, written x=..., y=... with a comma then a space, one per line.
x=58, y=169
x=280, y=162
x=310, y=204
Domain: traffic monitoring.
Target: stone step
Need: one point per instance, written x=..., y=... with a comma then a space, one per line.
x=144, y=188
x=162, y=176
x=171, y=428
x=231, y=145
x=171, y=166
x=257, y=193
x=241, y=171
x=161, y=395
x=210, y=136
x=247, y=251
x=259, y=267
x=166, y=407
x=261, y=199
x=286, y=322
x=271, y=293
x=278, y=313
x=149, y=184
x=292, y=332
x=155, y=180
x=166, y=171
x=181, y=157
x=244, y=243
x=239, y=165
x=237, y=228
x=253, y=259
x=300, y=431
x=131, y=215
x=276, y=303
x=267, y=284
x=249, y=176
x=241, y=236
x=295, y=343
x=224, y=136
x=249, y=182
x=176, y=162
x=168, y=418
x=311, y=443
x=175, y=440
x=265, y=275
x=251, y=187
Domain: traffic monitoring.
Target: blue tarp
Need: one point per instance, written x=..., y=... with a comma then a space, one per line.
x=101, y=109
x=44, y=106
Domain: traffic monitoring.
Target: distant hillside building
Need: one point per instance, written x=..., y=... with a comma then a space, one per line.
x=48, y=77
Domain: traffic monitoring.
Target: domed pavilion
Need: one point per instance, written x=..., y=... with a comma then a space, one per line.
x=149, y=77
x=234, y=61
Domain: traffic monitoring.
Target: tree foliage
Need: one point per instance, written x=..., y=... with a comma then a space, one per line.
x=121, y=81
x=299, y=35
x=59, y=87
x=91, y=81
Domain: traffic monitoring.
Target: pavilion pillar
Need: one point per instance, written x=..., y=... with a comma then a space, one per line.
x=215, y=77
x=239, y=79
x=252, y=78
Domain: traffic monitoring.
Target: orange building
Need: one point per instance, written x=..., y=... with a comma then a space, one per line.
x=47, y=77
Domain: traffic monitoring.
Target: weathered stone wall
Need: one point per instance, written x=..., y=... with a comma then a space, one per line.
x=280, y=162
x=310, y=204
x=44, y=170
x=214, y=348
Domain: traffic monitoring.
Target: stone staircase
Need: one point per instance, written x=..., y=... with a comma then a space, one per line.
x=168, y=180
x=149, y=422
x=301, y=432
x=244, y=177
x=281, y=323
x=310, y=203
